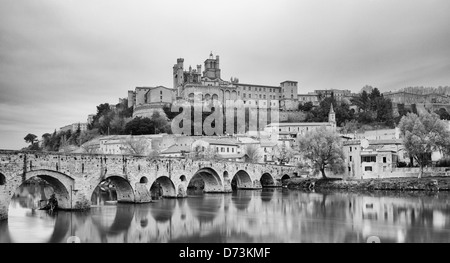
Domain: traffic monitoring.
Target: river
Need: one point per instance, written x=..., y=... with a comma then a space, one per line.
x=268, y=215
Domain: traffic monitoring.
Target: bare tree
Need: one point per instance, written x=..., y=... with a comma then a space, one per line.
x=253, y=153
x=136, y=146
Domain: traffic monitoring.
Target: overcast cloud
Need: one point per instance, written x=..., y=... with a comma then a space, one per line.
x=59, y=59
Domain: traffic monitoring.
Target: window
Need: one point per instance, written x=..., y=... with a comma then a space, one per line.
x=351, y=158
x=351, y=149
x=228, y=150
x=264, y=96
x=349, y=169
x=232, y=150
x=160, y=92
x=244, y=88
x=250, y=96
x=369, y=159
x=384, y=160
x=222, y=149
x=368, y=168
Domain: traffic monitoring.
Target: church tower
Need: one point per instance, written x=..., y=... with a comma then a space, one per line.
x=332, y=116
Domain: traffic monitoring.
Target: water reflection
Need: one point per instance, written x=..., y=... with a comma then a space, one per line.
x=268, y=215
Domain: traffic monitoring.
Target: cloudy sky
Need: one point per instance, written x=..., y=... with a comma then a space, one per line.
x=59, y=59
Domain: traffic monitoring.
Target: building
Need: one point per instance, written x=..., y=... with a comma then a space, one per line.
x=74, y=127
x=90, y=118
x=126, y=144
x=372, y=158
x=211, y=86
x=208, y=85
x=176, y=151
x=310, y=97
x=146, y=100
x=406, y=98
x=339, y=95
x=221, y=146
x=288, y=132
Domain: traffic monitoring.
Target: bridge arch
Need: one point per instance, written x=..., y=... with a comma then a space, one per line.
x=61, y=183
x=241, y=180
x=210, y=180
x=267, y=180
x=124, y=190
x=285, y=179
x=163, y=187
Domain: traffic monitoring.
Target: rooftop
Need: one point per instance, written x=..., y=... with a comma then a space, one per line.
x=299, y=124
x=177, y=149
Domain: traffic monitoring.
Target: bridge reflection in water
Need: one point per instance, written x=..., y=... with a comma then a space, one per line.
x=268, y=215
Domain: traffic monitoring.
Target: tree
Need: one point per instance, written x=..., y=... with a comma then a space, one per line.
x=282, y=154
x=322, y=149
x=136, y=146
x=306, y=107
x=362, y=101
x=443, y=114
x=30, y=138
x=422, y=135
x=140, y=126
x=253, y=153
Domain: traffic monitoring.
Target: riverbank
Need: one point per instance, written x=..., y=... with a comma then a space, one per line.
x=392, y=184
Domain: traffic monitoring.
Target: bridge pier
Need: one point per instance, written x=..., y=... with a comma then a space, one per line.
x=4, y=205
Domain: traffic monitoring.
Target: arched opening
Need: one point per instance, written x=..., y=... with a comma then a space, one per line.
x=114, y=189
x=2, y=179
x=241, y=181
x=206, y=179
x=143, y=180
x=267, y=180
x=285, y=180
x=33, y=195
x=162, y=187
x=225, y=175
x=183, y=178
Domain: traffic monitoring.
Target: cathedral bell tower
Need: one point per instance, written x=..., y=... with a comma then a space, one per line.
x=332, y=116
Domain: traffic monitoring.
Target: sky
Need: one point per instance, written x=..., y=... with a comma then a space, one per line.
x=60, y=59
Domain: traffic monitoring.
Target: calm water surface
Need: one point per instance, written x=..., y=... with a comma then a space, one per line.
x=269, y=215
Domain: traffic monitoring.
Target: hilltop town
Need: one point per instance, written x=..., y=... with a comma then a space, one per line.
x=367, y=124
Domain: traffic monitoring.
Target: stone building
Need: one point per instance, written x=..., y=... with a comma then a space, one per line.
x=146, y=100
x=74, y=127
x=211, y=86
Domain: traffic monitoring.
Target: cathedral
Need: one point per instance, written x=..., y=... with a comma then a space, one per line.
x=208, y=85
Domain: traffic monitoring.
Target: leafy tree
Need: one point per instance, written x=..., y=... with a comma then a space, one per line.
x=443, y=114
x=320, y=114
x=306, y=107
x=322, y=149
x=422, y=135
x=140, y=126
x=30, y=138
x=282, y=154
x=362, y=101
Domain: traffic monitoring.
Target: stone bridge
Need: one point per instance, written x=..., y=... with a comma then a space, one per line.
x=74, y=177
